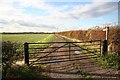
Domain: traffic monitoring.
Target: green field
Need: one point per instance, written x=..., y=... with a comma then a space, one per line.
x=29, y=38
x=22, y=38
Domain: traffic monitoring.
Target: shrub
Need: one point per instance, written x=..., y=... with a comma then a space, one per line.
x=10, y=53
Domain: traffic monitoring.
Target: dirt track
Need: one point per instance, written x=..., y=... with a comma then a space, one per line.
x=81, y=67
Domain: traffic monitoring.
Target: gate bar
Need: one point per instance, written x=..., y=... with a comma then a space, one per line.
x=66, y=42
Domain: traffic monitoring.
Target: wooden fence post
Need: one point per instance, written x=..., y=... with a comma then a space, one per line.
x=26, y=53
x=101, y=47
x=105, y=47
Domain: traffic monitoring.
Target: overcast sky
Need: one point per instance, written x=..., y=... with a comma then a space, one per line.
x=52, y=15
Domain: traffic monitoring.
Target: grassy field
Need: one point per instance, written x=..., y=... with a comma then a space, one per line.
x=29, y=38
x=21, y=38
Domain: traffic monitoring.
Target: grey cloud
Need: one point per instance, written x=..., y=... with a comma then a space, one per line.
x=27, y=24
x=31, y=24
x=95, y=10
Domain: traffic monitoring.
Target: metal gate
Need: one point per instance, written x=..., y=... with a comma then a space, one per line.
x=54, y=52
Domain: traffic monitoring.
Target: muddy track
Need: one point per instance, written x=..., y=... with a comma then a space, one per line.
x=83, y=66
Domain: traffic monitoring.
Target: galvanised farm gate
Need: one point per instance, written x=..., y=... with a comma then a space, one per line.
x=54, y=52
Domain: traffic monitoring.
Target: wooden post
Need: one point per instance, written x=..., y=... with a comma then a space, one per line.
x=26, y=53
x=106, y=32
x=105, y=42
x=100, y=47
x=105, y=47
